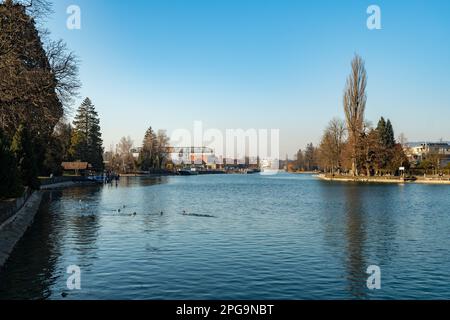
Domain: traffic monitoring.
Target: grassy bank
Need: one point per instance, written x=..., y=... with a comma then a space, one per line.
x=395, y=180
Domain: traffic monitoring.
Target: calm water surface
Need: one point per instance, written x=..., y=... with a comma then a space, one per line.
x=250, y=237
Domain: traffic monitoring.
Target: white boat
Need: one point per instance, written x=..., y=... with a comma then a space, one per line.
x=97, y=179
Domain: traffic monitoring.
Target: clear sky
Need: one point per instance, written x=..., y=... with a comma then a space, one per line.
x=259, y=64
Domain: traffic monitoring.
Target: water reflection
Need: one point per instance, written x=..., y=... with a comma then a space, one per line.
x=266, y=242
x=360, y=223
x=31, y=275
x=126, y=182
x=83, y=223
x=356, y=237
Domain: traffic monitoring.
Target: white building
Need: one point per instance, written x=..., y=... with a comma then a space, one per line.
x=418, y=153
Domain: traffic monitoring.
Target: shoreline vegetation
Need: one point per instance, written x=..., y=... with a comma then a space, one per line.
x=353, y=149
x=385, y=179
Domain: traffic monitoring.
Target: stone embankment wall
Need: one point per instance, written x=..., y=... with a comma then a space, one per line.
x=17, y=223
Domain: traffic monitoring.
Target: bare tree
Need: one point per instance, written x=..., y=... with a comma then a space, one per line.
x=125, y=155
x=27, y=85
x=38, y=9
x=64, y=65
x=36, y=80
x=354, y=105
x=332, y=144
x=125, y=146
x=300, y=161
x=162, y=148
x=403, y=140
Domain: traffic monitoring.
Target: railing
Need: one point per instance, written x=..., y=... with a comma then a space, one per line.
x=54, y=180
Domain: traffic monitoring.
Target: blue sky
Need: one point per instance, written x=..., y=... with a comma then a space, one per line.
x=259, y=64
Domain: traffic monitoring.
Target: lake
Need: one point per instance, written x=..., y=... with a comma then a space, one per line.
x=243, y=237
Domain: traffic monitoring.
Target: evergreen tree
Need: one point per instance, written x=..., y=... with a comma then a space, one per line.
x=22, y=149
x=95, y=142
x=86, y=142
x=10, y=185
x=147, y=155
x=57, y=149
x=53, y=157
x=381, y=129
x=388, y=153
x=390, y=137
x=386, y=133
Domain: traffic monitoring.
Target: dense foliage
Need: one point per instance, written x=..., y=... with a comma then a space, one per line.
x=38, y=78
x=87, y=143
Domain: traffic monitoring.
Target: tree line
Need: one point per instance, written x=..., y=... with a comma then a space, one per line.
x=38, y=78
x=38, y=83
x=353, y=146
x=152, y=155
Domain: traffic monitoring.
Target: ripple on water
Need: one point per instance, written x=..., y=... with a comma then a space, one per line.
x=282, y=237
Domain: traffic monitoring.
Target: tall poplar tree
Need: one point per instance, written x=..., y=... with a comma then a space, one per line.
x=354, y=106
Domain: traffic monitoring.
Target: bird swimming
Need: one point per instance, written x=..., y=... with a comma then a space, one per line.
x=197, y=215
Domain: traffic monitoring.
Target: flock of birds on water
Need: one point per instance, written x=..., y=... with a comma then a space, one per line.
x=184, y=212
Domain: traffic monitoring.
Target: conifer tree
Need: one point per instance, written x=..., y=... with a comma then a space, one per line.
x=87, y=143
x=10, y=185
x=390, y=137
x=381, y=129
x=22, y=149
x=386, y=133
x=147, y=155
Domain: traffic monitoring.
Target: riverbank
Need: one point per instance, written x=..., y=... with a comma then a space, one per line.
x=68, y=184
x=13, y=229
x=303, y=172
x=18, y=215
x=391, y=180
